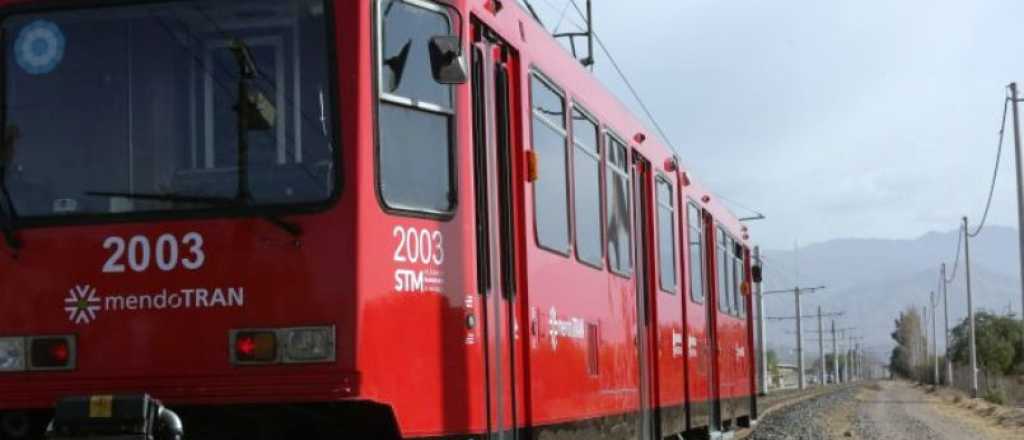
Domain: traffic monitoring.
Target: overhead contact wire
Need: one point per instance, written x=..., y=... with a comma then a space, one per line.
x=629, y=84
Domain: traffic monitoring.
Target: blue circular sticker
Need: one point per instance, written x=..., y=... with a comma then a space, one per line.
x=40, y=47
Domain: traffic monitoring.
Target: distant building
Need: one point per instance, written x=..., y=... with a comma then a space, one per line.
x=785, y=377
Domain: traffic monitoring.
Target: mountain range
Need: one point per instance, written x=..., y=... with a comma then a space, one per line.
x=872, y=280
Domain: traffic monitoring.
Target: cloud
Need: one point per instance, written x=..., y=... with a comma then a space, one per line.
x=837, y=119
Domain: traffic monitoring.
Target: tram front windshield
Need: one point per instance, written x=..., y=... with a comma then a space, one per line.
x=139, y=108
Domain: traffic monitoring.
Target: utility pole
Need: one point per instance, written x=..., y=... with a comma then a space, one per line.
x=797, y=291
x=821, y=351
x=853, y=361
x=846, y=362
x=935, y=343
x=822, y=363
x=842, y=359
x=945, y=305
x=849, y=358
x=799, y=340
x=856, y=361
x=859, y=369
x=924, y=346
x=835, y=355
x=970, y=311
x=1020, y=188
x=762, y=349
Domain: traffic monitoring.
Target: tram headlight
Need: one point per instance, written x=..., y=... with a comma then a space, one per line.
x=308, y=344
x=12, y=354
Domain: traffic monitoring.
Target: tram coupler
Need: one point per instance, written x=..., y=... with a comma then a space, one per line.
x=108, y=417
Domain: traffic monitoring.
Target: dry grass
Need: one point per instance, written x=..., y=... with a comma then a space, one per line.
x=998, y=415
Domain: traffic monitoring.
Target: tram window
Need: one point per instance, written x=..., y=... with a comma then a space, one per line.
x=138, y=115
x=550, y=191
x=724, y=294
x=666, y=236
x=741, y=271
x=735, y=274
x=415, y=115
x=619, y=227
x=744, y=279
x=695, y=225
x=587, y=187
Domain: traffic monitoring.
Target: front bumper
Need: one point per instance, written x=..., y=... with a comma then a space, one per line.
x=33, y=391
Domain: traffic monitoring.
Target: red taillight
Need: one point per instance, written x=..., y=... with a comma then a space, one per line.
x=256, y=346
x=50, y=353
x=59, y=352
x=246, y=346
x=291, y=345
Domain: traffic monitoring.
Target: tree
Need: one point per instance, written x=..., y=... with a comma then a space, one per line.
x=997, y=339
x=909, y=355
x=830, y=360
x=773, y=363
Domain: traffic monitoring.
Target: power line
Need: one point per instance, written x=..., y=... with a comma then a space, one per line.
x=991, y=191
x=995, y=172
x=956, y=262
x=629, y=85
x=781, y=279
x=533, y=11
x=562, y=17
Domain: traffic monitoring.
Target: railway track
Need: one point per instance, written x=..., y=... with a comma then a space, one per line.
x=784, y=399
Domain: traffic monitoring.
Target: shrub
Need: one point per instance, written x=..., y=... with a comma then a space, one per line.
x=996, y=396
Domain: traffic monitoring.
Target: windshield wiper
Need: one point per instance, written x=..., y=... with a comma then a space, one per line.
x=8, y=216
x=289, y=227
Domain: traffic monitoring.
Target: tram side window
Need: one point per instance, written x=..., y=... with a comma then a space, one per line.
x=741, y=271
x=415, y=114
x=666, y=236
x=550, y=191
x=695, y=227
x=587, y=184
x=735, y=273
x=619, y=227
x=724, y=279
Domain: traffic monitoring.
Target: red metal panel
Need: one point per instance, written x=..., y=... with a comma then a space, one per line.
x=405, y=347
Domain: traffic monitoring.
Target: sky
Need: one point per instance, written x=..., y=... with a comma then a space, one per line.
x=836, y=119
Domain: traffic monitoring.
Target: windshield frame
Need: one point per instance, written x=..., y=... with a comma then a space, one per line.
x=204, y=213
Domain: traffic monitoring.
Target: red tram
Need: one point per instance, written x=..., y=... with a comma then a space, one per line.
x=348, y=219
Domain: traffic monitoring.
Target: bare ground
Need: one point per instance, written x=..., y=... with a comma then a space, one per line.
x=899, y=410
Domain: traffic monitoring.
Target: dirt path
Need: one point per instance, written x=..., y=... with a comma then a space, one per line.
x=899, y=410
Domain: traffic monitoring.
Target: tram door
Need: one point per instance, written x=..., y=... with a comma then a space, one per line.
x=700, y=332
x=492, y=83
x=646, y=428
x=713, y=298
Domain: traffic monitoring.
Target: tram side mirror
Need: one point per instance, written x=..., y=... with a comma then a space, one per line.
x=755, y=273
x=446, y=61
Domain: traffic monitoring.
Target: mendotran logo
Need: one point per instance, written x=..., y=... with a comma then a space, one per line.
x=84, y=302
